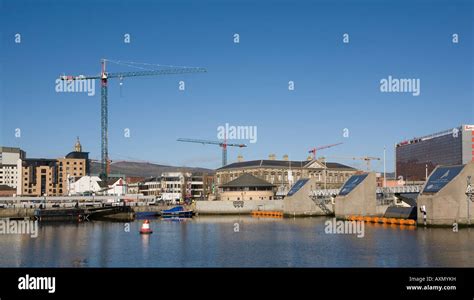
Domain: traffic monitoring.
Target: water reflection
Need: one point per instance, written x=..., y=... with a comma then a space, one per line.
x=215, y=242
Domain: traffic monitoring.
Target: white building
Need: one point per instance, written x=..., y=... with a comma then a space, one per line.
x=9, y=158
x=84, y=184
x=116, y=187
x=94, y=185
x=172, y=184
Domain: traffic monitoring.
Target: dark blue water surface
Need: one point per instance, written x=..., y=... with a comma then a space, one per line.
x=235, y=241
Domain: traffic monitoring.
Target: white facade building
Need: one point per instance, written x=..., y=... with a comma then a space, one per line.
x=117, y=187
x=172, y=184
x=93, y=184
x=84, y=184
x=9, y=158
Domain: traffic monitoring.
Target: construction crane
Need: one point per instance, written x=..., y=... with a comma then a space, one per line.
x=321, y=148
x=104, y=76
x=223, y=144
x=367, y=159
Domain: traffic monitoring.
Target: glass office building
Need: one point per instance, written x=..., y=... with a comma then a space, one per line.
x=417, y=157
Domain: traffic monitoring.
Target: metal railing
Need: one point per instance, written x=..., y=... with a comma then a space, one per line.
x=399, y=189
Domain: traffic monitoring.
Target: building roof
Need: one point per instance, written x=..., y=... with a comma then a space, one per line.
x=333, y=165
x=247, y=180
x=102, y=184
x=38, y=162
x=4, y=187
x=76, y=154
x=10, y=149
x=279, y=163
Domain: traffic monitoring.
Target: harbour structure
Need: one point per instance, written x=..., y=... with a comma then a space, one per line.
x=446, y=198
x=284, y=173
x=418, y=157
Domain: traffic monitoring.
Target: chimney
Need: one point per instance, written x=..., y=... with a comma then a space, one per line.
x=271, y=157
x=240, y=158
x=285, y=157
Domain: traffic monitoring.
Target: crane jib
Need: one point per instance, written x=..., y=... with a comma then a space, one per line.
x=139, y=73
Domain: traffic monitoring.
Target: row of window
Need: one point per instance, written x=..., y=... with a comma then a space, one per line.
x=33, y=190
x=67, y=163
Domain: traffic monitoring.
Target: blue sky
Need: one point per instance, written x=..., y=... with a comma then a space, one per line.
x=336, y=84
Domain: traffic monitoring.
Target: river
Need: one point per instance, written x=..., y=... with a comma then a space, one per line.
x=235, y=241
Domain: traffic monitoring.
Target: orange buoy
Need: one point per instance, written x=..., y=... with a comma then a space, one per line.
x=146, y=228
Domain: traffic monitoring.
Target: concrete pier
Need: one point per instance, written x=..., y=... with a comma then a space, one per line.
x=298, y=203
x=444, y=197
x=358, y=197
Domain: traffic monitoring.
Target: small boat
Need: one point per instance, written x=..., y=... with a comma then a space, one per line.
x=177, y=211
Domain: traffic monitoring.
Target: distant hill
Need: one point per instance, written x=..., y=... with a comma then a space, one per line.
x=143, y=169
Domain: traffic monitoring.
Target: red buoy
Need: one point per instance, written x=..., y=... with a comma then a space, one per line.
x=146, y=228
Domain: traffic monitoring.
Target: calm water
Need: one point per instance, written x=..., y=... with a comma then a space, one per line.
x=213, y=242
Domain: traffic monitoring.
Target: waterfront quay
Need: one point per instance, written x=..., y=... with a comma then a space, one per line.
x=29, y=207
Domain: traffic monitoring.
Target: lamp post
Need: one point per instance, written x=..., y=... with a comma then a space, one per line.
x=469, y=194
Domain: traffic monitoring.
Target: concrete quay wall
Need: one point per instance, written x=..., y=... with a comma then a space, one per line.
x=225, y=207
